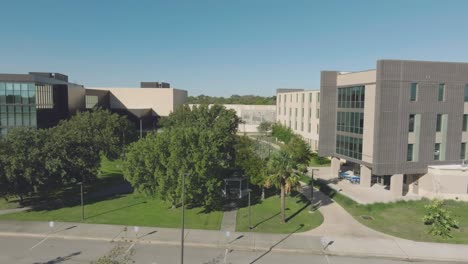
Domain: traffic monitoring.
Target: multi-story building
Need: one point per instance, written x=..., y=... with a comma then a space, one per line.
x=403, y=124
x=41, y=100
x=37, y=100
x=299, y=110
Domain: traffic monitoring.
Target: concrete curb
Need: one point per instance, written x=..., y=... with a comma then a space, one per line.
x=234, y=247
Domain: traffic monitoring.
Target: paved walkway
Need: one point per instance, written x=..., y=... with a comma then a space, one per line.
x=229, y=221
x=337, y=222
x=293, y=243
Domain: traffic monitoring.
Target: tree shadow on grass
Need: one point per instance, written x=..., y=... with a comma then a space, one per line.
x=115, y=210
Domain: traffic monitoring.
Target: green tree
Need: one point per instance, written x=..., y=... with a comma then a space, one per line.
x=299, y=150
x=264, y=127
x=249, y=161
x=23, y=162
x=439, y=219
x=199, y=142
x=282, y=133
x=282, y=175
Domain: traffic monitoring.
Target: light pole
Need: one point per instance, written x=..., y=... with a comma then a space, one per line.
x=250, y=212
x=183, y=221
x=82, y=202
x=312, y=189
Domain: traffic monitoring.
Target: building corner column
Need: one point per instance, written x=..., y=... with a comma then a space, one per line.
x=396, y=185
x=335, y=166
x=366, y=176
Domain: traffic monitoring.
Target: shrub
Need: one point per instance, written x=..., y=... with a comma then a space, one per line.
x=439, y=219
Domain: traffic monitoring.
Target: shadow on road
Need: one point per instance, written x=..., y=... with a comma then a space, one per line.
x=276, y=244
x=60, y=259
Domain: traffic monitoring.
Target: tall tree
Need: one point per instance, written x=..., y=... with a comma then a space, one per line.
x=199, y=142
x=283, y=176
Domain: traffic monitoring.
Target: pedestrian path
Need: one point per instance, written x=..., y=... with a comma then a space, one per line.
x=337, y=222
x=229, y=221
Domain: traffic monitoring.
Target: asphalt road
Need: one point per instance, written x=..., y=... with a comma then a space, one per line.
x=53, y=251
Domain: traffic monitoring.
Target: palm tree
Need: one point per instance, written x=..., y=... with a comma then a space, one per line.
x=282, y=175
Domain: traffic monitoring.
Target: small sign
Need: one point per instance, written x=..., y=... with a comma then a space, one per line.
x=51, y=224
x=136, y=229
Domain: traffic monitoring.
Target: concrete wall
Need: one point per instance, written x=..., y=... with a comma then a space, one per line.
x=445, y=181
x=298, y=110
x=162, y=101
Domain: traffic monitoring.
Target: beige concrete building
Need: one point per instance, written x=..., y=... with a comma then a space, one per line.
x=402, y=125
x=300, y=110
x=252, y=115
x=162, y=101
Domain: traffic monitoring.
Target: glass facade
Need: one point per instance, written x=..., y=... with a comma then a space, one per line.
x=439, y=123
x=349, y=121
x=409, y=152
x=17, y=106
x=350, y=97
x=436, y=151
x=414, y=92
x=465, y=123
x=349, y=146
x=352, y=122
x=463, y=151
x=411, y=123
x=441, y=93
x=466, y=93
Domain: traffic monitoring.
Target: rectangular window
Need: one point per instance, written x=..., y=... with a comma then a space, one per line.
x=302, y=112
x=466, y=93
x=310, y=97
x=465, y=122
x=463, y=151
x=439, y=123
x=317, y=113
x=441, y=92
x=302, y=126
x=310, y=126
x=411, y=123
x=436, y=151
x=409, y=152
x=318, y=97
x=414, y=92
x=295, y=112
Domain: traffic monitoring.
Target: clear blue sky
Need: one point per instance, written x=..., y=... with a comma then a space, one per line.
x=224, y=47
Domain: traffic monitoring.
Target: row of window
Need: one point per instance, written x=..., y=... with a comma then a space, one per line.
x=413, y=96
x=317, y=112
x=301, y=127
x=352, y=122
x=351, y=97
x=284, y=97
x=17, y=93
x=349, y=146
x=14, y=116
x=438, y=155
x=439, y=122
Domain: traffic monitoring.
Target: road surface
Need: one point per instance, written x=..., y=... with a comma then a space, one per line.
x=53, y=251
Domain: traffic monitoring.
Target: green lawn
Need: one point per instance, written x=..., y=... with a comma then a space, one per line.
x=130, y=209
x=266, y=216
x=404, y=218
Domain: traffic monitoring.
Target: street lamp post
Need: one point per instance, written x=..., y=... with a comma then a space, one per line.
x=250, y=212
x=82, y=201
x=182, y=234
x=312, y=190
